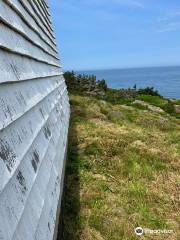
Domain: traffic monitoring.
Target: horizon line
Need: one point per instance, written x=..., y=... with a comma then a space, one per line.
x=118, y=68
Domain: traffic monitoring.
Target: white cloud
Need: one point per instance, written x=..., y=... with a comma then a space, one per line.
x=170, y=27
x=170, y=22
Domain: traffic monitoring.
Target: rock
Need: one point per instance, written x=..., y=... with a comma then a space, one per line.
x=149, y=106
x=177, y=108
x=155, y=109
x=140, y=102
x=96, y=92
x=172, y=100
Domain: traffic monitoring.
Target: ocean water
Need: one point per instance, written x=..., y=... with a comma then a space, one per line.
x=164, y=79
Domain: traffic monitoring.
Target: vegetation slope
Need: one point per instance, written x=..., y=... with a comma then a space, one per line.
x=123, y=168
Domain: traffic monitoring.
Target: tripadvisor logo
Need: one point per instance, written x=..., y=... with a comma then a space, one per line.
x=139, y=231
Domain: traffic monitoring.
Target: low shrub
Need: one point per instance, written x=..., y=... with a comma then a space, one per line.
x=149, y=91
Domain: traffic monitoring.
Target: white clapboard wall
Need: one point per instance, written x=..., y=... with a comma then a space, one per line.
x=34, y=119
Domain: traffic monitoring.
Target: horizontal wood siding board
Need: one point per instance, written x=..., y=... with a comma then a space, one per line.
x=25, y=167
x=39, y=14
x=34, y=120
x=51, y=149
x=25, y=161
x=33, y=93
x=26, y=131
x=15, y=68
x=23, y=47
x=35, y=45
x=27, y=6
x=28, y=14
x=46, y=10
x=44, y=13
x=46, y=3
x=30, y=22
x=6, y=16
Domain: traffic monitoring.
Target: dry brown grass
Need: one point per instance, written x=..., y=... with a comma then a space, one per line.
x=123, y=172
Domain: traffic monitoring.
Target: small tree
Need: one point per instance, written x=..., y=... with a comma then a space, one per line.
x=70, y=79
x=102, y=85
x=134, y=87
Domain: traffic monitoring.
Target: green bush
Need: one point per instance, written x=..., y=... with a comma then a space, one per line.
x=169, y=108
x=154, y=100
x=148, y=91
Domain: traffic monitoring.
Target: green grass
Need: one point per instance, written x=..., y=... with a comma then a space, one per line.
x=123, y=170
x=164, y=104
x=154, y=100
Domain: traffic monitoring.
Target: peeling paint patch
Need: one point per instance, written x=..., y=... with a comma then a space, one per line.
x=49, y=227
x=15, y=70
x=47, y=132
x=42, y=113
x=34, y=165
x=36, y=156
x=35, y=160
x=7, y=155
x=21, y=181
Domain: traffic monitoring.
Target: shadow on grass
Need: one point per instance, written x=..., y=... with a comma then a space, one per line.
x=70, y=223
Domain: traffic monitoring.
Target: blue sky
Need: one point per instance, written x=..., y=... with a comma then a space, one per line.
x=100, y=34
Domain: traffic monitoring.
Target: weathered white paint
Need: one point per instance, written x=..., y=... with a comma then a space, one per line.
x=34, y=119
x=23, y=47
x=14, y=19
